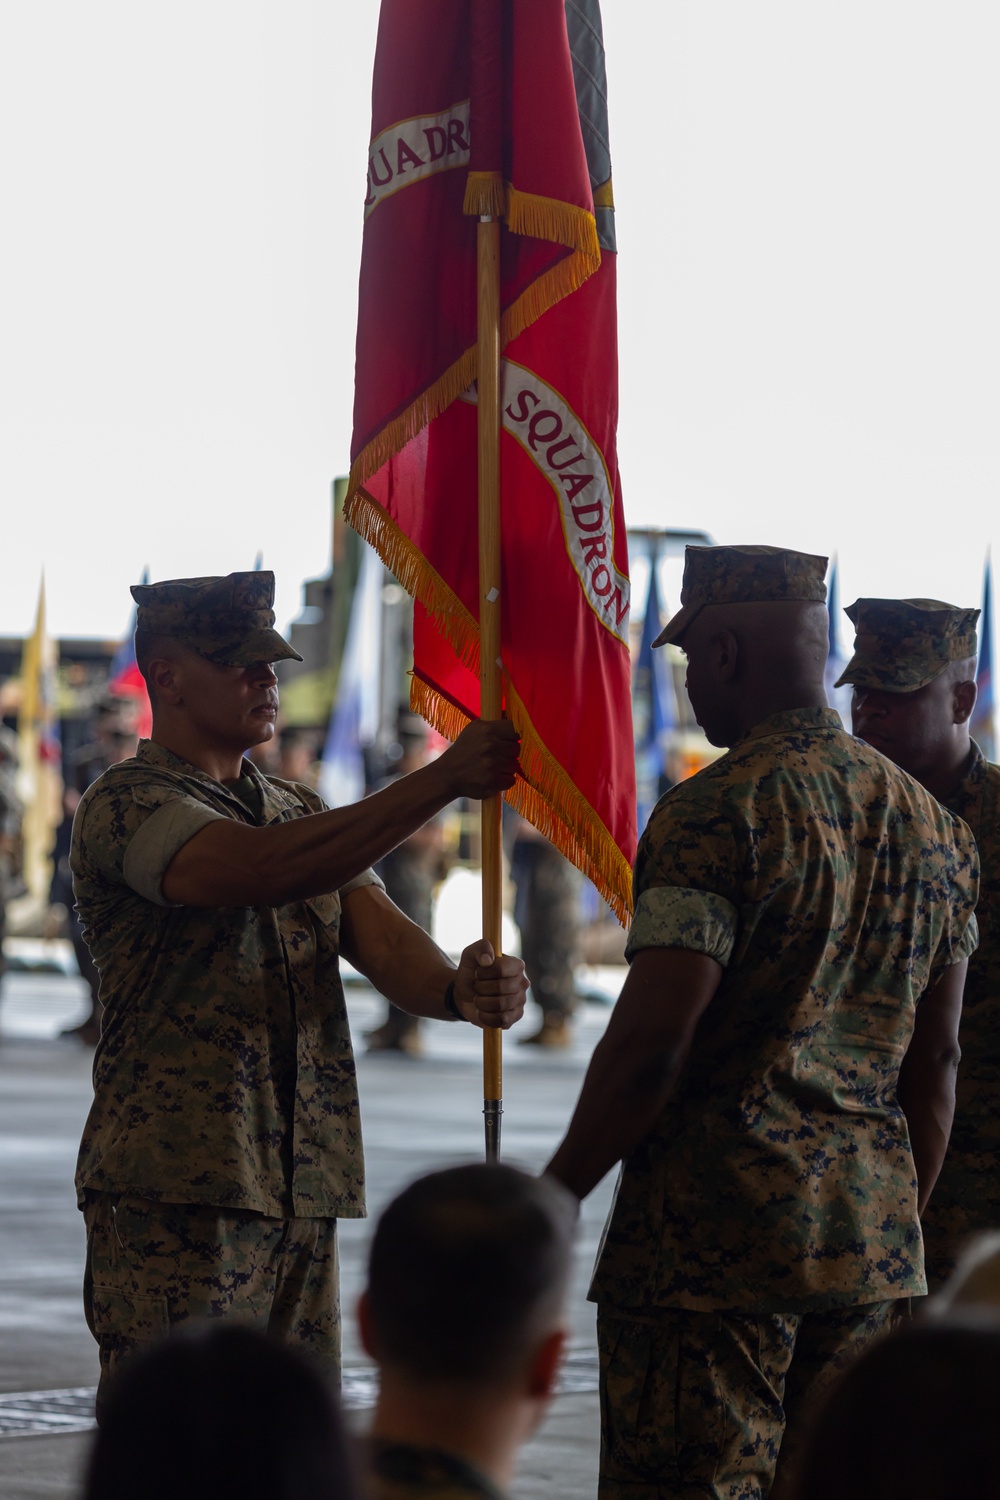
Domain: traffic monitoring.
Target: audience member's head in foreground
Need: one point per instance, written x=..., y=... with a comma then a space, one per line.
x=463, y=1313
x=914, y=1419
x=220, y=1412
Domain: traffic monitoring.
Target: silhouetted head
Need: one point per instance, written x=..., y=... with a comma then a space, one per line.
x=914, y=678
x=468, y=1274
x=220, y=1412
x=754, y=628
x=914, y=1419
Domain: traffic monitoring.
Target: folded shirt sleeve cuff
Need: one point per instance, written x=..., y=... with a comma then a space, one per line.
x=157, y=840
x=957, y=952
x=668, y=916
x=367, y=877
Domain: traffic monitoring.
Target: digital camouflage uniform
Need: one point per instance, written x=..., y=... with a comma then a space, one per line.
x=398, y=1471
x=901, y=645
x=409, y=873
x=762, y=1230
x=966, y=1196
x=224, y=1139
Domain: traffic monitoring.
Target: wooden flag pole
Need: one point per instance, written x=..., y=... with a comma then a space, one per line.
x=488, y=342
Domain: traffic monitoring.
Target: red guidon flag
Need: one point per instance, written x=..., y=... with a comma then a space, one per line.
x=498, y=106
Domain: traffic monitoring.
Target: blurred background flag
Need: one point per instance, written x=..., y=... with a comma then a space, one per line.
x=984, y=714
x=654, y=706
x=838, y=698
x=499, y=109
x=126, y=681
x=39, y=755
x=354, y=722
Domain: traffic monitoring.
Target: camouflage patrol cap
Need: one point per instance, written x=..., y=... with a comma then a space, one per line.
x=228, y=620
x=903, y=644
x=744, y=575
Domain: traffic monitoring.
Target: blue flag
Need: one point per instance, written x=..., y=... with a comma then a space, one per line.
x=123, y=661
x=654, y=707
x=838, y=698
x=984, y=715
x=354, y=721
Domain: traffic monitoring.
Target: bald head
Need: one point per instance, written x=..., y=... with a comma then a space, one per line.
x=748, y=661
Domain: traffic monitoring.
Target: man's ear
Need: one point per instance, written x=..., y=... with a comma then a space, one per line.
x=163, y=678
x=727, y=653
x=543, y=1372
x=365, y=1326
x=964, y=701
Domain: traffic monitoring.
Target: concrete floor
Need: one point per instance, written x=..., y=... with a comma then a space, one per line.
x=417, y=1114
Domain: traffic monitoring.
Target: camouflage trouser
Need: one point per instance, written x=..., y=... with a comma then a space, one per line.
x=152, y=1265
x=547, y=913
x=698, y=1404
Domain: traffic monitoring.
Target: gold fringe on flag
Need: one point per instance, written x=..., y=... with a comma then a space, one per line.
x=485, y=193
x=395, y=435
x=551, y=801
x=405, y=559
x=553, y=219
x=562, y=224
x=552, y=804
x=527, y=213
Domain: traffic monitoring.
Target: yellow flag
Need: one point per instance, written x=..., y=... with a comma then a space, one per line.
x=39, y=760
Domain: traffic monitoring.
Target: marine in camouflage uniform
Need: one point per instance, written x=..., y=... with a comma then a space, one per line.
x=409, y=874
x=913, y=671
x=793, y=902
x=547, y=913
x=224, y=1139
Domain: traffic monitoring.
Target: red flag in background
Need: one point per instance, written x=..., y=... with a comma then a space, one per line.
x=126, y=681
x=498, y=107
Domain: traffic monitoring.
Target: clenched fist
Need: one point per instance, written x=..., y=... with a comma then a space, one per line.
x=490, y=991
x=483, y=760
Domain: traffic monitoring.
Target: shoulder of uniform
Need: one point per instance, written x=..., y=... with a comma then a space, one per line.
x=294, y=795
x=684, y=797
x=296, y=790
x=692, y=804
x=124, y=773
x=132, y=780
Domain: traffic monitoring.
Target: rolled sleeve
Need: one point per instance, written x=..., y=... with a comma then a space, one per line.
x=956, y=950
x=367, y=877
x=157, y=840
x=676, y=917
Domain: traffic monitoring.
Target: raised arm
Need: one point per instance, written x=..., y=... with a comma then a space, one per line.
x=233, y=864
x=927, y=1077
x=636, y=1063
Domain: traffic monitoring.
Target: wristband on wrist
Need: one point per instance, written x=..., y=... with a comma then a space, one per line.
x=449, y=1002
